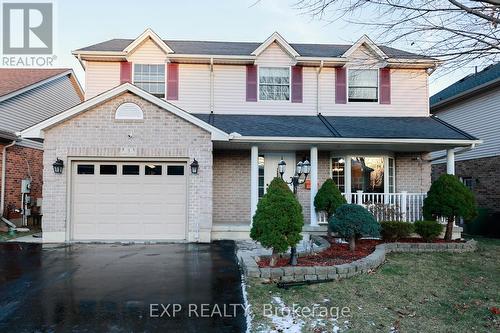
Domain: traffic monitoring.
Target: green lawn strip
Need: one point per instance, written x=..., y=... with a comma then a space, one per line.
x=431, y=292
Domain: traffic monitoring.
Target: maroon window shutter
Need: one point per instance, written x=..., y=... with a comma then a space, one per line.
x=173, y=81
x=340, y=86
x=385, y=86
x=296, y=84
x=125, y=72
x=251, y=83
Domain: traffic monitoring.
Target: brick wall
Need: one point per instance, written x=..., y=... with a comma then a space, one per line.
x=20, y=164
x=413, y=172
x=97, y=134
x=231, y=187
x=486, y=182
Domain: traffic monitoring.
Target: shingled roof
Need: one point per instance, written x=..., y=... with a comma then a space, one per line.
x=470, y=83
x=14, y=79
x=244, y=48
x=336, y=126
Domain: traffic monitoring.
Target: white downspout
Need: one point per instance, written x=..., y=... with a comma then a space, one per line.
x=211, y=85
x=318, y=99
x=2, y=191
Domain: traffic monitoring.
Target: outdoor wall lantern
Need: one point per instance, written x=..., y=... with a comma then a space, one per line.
x=58, y=166
x=194, y=167
x=302, y=168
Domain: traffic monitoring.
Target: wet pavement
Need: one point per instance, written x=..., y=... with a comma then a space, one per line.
x=120, y=288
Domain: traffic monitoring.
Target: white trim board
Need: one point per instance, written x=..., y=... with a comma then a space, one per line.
x=36, y=131
x=276, y=37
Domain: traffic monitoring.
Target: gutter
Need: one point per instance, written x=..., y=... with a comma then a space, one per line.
x=318, y=99
x=457, y=152
x=267, y=139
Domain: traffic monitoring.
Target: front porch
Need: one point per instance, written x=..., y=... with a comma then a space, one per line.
x=391, y=184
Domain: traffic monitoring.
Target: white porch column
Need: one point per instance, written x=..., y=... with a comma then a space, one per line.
x=254, y=181
x=347, y=179
x=314, y=183
x=450, y=161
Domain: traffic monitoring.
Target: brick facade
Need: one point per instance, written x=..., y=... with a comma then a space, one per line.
x=413, y=172
x=231, y=187
x=95, y=133
x=485, y=179
x=22, y=162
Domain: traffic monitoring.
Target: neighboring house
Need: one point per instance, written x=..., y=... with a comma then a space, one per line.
x=28, y=96
x=473, y=104
x=359, y=113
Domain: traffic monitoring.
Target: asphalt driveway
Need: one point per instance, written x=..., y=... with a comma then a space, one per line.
x=120, y=288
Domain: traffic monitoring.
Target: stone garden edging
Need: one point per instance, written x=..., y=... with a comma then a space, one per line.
x=248, y=261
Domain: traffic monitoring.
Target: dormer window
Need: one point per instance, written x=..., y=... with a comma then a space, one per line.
x=150, y=78
x=363, y=85
x=274, y=83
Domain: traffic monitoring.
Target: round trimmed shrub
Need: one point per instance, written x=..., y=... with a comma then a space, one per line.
x=278, y=221
x=394, y=230
x=451, y=199
x=428, y=230
x=353, y=222
x=328, y=198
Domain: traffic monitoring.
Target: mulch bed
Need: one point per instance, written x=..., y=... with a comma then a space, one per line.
x=339, y=253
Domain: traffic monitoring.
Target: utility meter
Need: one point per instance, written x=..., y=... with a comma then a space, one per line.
x=26, y=186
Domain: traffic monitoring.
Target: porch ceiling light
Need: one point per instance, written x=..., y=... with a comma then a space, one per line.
x=194, y=167
x=58, y=166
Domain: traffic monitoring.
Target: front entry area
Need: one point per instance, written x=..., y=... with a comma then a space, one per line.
x=128, y=200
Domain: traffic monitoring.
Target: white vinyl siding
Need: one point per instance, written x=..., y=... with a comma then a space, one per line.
x=100, y=76
x=409, y=88
x=478, y=116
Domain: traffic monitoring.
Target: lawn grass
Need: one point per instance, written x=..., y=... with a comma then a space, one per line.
x=427, y=292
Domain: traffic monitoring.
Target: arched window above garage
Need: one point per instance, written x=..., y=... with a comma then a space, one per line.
x=129, y=111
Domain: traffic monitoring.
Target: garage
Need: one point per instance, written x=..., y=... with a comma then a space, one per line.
x=128, y=200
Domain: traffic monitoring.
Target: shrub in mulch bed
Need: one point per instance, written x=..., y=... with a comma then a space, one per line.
x=339, y=253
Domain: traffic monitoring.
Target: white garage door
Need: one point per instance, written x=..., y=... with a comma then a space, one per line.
x=128, y=201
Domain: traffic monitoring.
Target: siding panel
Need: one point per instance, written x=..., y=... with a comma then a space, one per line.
x=478, y=116
x=101, y=76
x=33, y=106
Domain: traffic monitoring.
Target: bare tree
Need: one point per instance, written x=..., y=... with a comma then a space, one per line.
x=459, y=32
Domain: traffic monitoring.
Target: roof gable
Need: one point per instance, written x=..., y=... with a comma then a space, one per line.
x=36, y=131
x=365, y=41
x=278, y=39
x=148, y=34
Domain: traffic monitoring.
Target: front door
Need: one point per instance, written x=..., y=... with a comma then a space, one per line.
x=271, y=161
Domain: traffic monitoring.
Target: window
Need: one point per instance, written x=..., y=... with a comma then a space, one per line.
x=107, y=169
x=85, y=169
x=130, y=170
x=367, y=174
x=150, y=78
x=274, y=83
x=338, y=172
x=261, y=176
x=391, y=175
x=175, y=170
x=152, y=170
x=468, y=182
x=129, y=111
x=363, y=85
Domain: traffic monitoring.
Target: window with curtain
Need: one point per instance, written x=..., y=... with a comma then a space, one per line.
x=150, y=78
x=274, y=83
x=261, y=176
x=363, y=85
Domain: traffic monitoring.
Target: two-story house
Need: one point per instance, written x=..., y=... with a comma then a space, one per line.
x=177, y=140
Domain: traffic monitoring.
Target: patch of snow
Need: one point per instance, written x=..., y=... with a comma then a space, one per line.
x=287, y=323
x=248, y=311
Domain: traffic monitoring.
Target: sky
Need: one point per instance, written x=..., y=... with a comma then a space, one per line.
x=82, y=23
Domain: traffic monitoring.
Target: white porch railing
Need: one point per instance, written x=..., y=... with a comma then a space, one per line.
x=401, y=206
